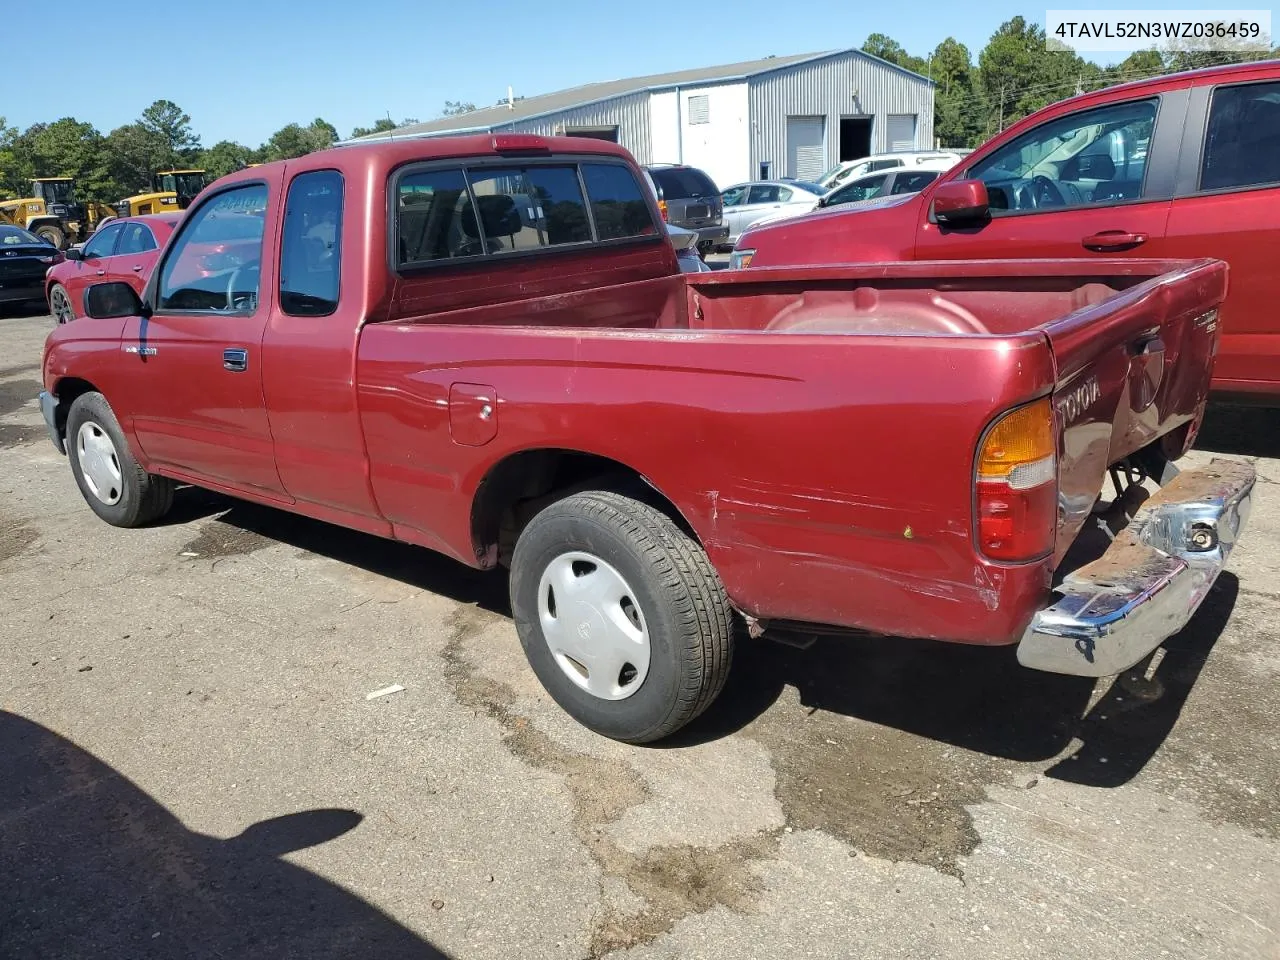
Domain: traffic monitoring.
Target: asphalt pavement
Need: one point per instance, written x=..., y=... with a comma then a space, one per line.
x=191, y=766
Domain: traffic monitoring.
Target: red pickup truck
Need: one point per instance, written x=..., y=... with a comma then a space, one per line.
x=1186, y=165
x=484, y=345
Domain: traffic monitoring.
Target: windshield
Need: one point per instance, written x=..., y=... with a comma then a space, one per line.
x=815, y=188
x=16, y=236
x=222, y=227
x=55, y=191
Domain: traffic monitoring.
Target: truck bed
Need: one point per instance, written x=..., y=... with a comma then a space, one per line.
x=828, y=468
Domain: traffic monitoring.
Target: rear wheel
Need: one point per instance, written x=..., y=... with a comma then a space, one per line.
x=60, y=304
x=52, y=233
x=621, y=615
x=111, y=481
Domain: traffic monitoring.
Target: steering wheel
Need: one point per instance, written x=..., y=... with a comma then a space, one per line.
x=1045, y=193
x=231, y=283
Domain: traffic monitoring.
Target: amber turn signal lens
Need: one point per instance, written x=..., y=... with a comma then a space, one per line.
x=1019, y=439
x=1016, y=485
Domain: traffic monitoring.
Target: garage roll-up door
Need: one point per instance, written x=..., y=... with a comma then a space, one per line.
x=902, y=131
x=806, y=151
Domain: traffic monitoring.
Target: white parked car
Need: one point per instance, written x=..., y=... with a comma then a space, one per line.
x=900, y=181
x=843, y=172
x=745, y=203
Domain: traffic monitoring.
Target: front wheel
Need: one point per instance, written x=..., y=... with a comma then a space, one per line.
x=60, y=304
x=51, y=233
x=621, y=615
x=114, y=485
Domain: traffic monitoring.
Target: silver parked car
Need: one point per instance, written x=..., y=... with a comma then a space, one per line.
x=745, y=203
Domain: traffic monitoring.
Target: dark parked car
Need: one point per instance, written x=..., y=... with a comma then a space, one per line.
x=689, y=198
x=24, y=260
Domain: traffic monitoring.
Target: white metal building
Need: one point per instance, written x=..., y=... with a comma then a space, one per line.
x=790, y=116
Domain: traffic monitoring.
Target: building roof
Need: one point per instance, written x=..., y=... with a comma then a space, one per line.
x=543, y=104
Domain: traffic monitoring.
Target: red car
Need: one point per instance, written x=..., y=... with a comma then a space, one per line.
x=485, y=346
x=1186, y=165
x=124, y=249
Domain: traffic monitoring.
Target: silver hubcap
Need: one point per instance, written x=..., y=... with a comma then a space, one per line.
x=593, y=625
x=99, y=464
x=61, y=307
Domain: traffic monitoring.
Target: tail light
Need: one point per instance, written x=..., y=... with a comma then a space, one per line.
x=662, y=209
x=1016, y=485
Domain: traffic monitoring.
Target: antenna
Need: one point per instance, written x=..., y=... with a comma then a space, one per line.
x=511, y=98
x=391, y=134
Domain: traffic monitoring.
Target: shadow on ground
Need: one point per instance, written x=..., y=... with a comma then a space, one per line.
x=1240, y=430
x=94, y=867
x=972, y=697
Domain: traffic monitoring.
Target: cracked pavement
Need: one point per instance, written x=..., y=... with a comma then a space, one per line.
x=189, y=765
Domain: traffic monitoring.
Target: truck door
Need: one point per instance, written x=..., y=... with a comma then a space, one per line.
x=1228, y=206
x=195, y=390
x=317, y=305
x=1058, y=190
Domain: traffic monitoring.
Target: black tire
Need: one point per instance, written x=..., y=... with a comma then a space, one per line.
x=60, y=304
x=51, y=233
x=142, y=497
x=679, y=594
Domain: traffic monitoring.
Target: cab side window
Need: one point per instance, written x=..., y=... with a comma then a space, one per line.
x=1242, y=143
x=214, y=264
x=311, y=245
x=136, y=239
x=103, y=243
x=1093, y=157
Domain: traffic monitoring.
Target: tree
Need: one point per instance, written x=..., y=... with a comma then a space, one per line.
x=957, y=104
x=886, y=48
x=133, y=153
x=296, y=141
x=1019, y=74
x=224, y=157
x=454, y=108
x=165, y=121
x=382, y=126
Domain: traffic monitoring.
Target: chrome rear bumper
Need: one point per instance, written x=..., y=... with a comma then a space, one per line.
x=1111, y=613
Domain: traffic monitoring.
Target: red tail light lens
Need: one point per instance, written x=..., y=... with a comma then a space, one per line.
x=662, y=209
x=1016, y=485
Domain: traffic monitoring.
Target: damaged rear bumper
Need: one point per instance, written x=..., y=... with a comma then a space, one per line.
x=1111, y=613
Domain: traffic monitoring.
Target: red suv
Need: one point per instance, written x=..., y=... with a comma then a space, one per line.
x=1185, y=165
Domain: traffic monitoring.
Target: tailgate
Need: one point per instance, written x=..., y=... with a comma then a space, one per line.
x=1130, y=370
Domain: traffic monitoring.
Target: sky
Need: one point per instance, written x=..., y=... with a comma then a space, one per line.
x=244, y=68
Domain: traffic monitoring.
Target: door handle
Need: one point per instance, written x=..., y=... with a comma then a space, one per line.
x=235, y=359
x=1114, y=240
x=137, y=268
x=102, y=273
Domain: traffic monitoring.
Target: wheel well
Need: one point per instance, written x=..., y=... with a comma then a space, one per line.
x=67, y=390
x=516, y=488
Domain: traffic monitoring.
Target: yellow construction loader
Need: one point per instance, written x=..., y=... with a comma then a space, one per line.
x=171, y=190
x=53, y=212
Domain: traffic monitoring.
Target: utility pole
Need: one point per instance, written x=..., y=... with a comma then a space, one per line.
x=1002, y=106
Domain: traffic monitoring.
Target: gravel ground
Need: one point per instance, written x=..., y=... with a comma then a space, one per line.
x=189, y=766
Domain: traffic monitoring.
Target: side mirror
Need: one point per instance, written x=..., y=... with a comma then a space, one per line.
x=961, y=203
x=109, y=301
x=74, y=253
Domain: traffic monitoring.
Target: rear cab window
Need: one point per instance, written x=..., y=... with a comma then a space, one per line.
x=682, y=183
x=465, y=212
